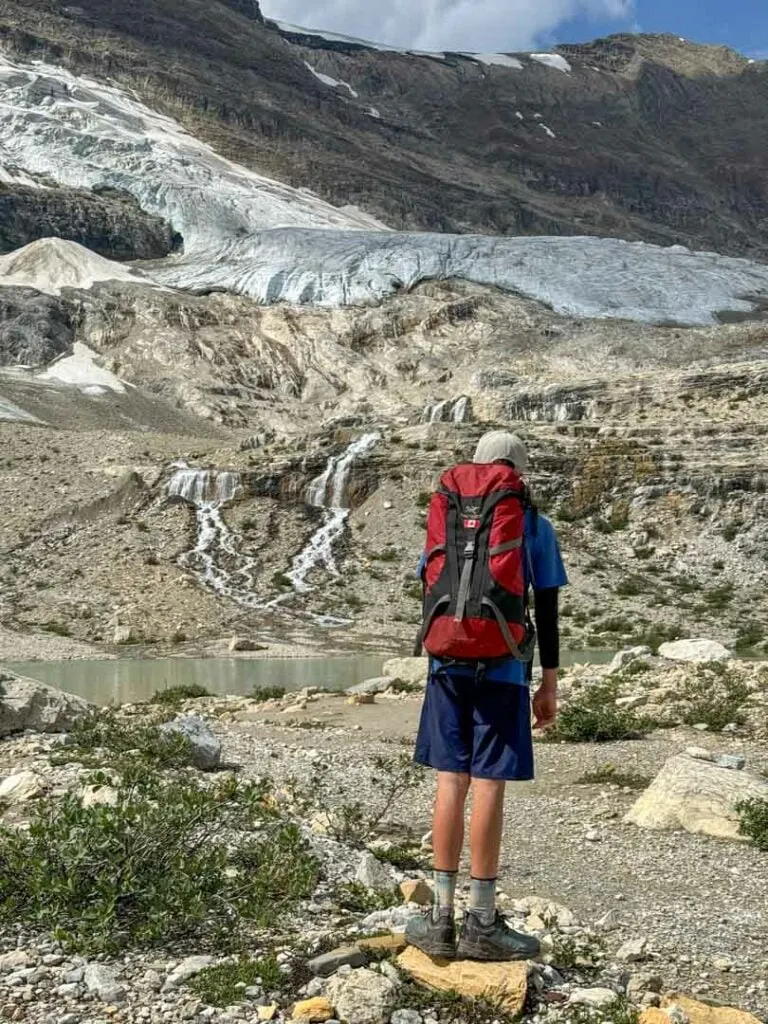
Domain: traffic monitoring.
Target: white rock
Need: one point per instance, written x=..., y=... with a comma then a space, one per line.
x=694, y=651
x=13, y=961
x=30, y=704
x=372, y=873
x=413, y=671
x=188, y=968
x=697, y=796
x=378, y=685
x=627, y=656
x=406, y=1017
x=96, y=796
x=22, y=786
x=632, y=951
x=102, y=983
x=597, y=997
x=362, y=997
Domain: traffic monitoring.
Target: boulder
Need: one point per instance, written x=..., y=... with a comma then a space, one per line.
x=633, y=951
x=379, y=685
x=316, y=1010
x=506, y=984
x=697, y=1013
x=361, y=698
x=185, y=970
x=101, y=982
x=412, y=671
x=362, y=997
x=597, y=997
x=372, y=873
x=29, y=704
x=326, y=964
x=242, y=644
x=206, y=749
x=98, y=796
x=23, y=786
x=694, y=651
x=123, y=635
x=698, y=796
x=627, y=656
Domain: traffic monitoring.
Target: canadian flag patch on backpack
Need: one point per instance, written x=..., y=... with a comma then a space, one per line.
x=475, y=601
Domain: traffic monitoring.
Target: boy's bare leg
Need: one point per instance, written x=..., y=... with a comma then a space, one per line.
x=448, y=824
x=486, y=827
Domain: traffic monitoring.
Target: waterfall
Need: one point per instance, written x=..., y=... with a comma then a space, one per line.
x=450, y=410
x=328, y=491
x=215, y=558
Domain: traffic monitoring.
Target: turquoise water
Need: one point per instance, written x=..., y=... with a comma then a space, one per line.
x=126, y=681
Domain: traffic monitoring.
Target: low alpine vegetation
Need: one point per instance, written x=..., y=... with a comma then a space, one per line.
x=754, y=822
x=594, y=717
x=105, y=740
x=176, y=695
x=167, y=861
x=223, y=985
x=714, y=696
x=609, y=775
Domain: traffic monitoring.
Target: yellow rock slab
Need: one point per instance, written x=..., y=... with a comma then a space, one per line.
x=267, y=1012
x=504, y=984
x=417, y=892
x=701, y=1013
x=383, y=944
x=313, y=1010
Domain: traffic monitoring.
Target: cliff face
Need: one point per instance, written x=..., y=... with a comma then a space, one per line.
x=108, y=222
x=640, y=137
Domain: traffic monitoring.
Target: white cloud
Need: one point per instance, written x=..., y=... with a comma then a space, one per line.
x=494, y=25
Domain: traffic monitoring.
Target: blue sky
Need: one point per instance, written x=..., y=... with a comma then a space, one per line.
x=508, y=25
x=742, y=24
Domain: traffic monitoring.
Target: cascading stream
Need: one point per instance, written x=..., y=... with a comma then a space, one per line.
x=208, y=491
x=328, y=491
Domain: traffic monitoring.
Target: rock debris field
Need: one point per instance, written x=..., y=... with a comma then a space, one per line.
x=626, y=857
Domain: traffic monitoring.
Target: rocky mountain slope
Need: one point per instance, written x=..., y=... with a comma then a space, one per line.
x=640, y=137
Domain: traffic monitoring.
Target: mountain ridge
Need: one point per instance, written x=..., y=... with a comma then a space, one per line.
x=647, y=138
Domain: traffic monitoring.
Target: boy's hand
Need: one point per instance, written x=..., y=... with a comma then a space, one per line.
x=545, y=701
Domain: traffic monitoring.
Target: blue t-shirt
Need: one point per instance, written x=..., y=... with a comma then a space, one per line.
x=544, y=563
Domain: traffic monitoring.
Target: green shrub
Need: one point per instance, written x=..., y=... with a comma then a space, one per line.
x=750, y=634
x=267, y=692
x=423, y=499
x=58, y=628
x=359, y=899
x=714, y=696
x=386, y=555
x=281, y=581
x=609, y=774
x=169, y=861
x=402, y=857
x=223, y=985
x=754, y=822
x=719, y=597
x=105, y=740
x=656, y=635
x=632, y=586
x=176, y=695
x=593, y=717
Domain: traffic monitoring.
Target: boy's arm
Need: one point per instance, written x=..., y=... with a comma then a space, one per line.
x=546, y=610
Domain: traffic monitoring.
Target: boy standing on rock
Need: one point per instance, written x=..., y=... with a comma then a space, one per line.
x=487, y=548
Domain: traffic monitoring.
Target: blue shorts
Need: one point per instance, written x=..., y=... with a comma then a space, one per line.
x=476, y=727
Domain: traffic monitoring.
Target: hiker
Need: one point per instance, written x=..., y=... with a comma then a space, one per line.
x=487, y=548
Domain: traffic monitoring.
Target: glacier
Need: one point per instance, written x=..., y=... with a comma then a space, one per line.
x=246, y=233
x=584, y=277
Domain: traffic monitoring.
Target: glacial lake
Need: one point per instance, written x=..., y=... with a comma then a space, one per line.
x=124, y=681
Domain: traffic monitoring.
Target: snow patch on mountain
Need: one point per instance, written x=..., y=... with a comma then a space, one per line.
x=552, y=60
x=80, y=370
x=50, y=264
x=334, y=83
x=10, y=411
x=500, y=60
x=84, y=133
x=585, y=277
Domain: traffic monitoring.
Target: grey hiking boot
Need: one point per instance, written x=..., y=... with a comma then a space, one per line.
x=433, y=934
x=495, y=941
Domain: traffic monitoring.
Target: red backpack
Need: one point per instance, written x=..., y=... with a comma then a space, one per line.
x=475, y=601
